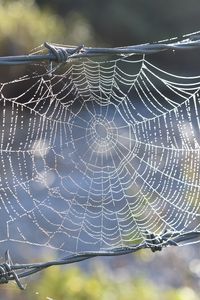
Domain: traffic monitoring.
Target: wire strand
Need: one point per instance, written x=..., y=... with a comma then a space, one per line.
x=61, y=54
x=10, y=271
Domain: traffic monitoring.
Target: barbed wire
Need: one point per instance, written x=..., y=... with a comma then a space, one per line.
x=61, y=54
x=13, y=272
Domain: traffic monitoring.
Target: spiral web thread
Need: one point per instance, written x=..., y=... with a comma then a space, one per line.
x=97, y=154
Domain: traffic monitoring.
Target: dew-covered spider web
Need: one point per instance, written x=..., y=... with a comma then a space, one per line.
x=97, y=152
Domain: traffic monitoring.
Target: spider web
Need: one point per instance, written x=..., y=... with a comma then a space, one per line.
x=98, y=152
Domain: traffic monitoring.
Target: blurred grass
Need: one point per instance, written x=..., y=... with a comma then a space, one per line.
x=24, y=26
x=120, y=278
x=74, y=284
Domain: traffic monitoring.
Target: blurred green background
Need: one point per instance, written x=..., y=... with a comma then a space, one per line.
x=24, y=25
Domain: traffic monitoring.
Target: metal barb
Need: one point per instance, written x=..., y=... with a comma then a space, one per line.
x=153, y=241
x=60, y=53
x=156, y=242
x=7, y=273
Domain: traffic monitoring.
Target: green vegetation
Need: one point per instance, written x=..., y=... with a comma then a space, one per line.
x=70, y=283
x=26, y=24
x=23, y=26
x=111, y=281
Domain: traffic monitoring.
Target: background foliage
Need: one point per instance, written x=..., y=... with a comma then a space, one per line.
x=25, y=25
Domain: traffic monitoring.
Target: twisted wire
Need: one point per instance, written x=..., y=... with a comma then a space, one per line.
x=61, y=54
x=13, y=272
